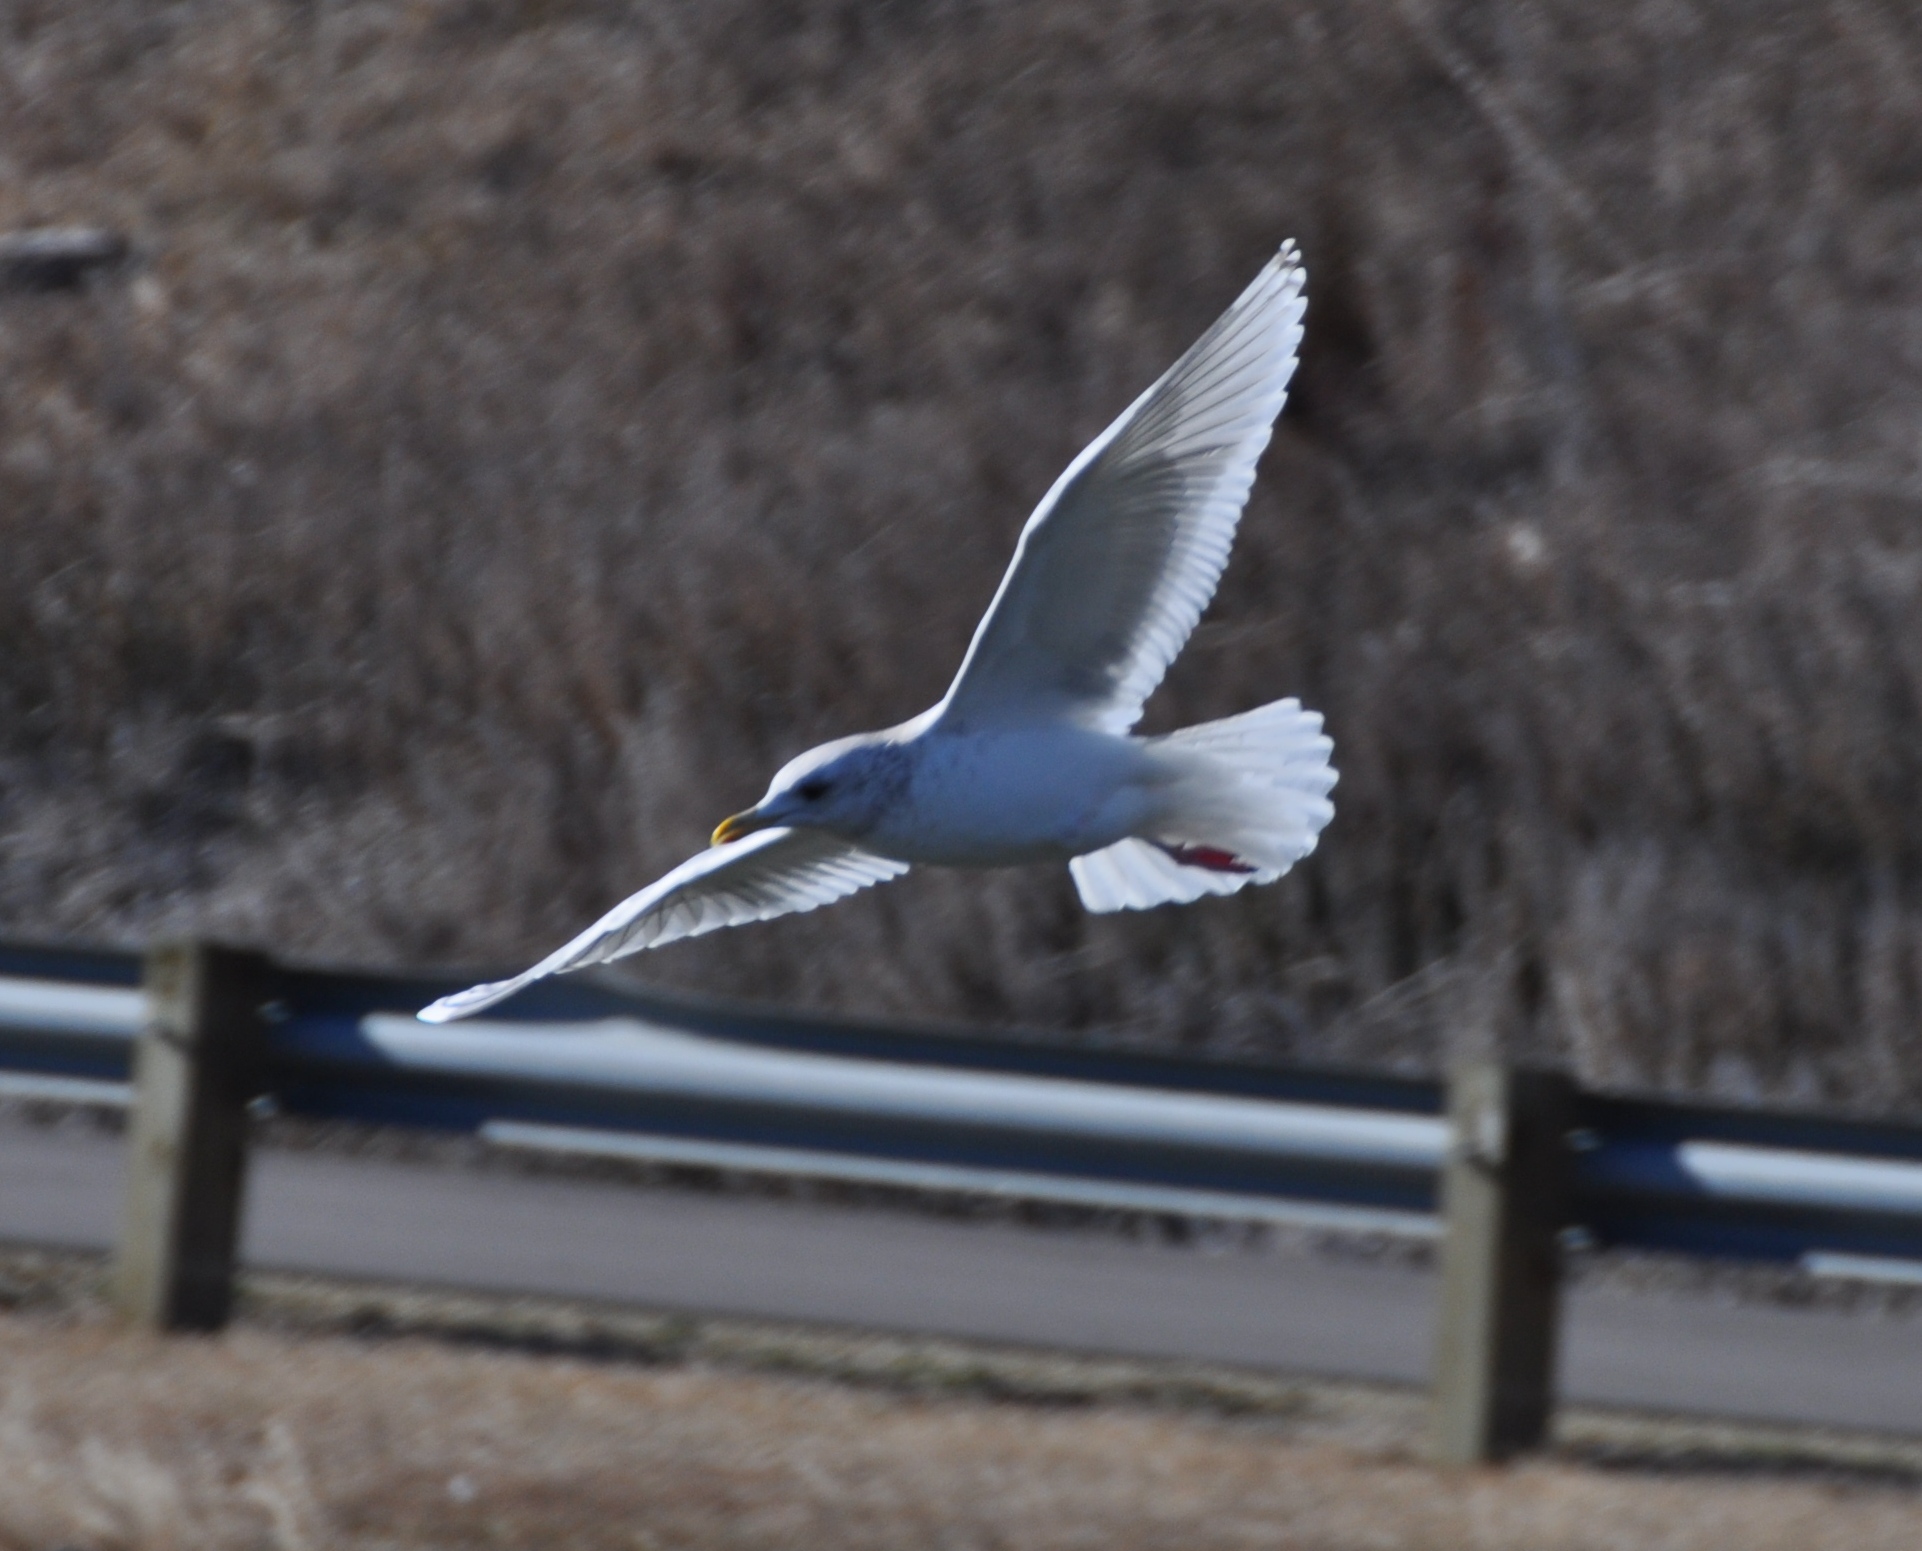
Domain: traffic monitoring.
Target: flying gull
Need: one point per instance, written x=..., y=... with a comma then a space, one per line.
x=1029, y=757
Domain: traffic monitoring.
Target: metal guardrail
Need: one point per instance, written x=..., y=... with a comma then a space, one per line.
x=599, y=1070
x=586, y=1067
x=68, y=1020
x=590, y=1068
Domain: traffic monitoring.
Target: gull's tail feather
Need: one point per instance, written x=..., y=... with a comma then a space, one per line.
x=1250, y=798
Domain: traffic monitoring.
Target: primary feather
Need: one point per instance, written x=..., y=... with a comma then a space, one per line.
x=772, y=873
x=1115, y=566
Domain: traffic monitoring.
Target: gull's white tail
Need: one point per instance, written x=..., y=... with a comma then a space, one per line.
x=1249, y=798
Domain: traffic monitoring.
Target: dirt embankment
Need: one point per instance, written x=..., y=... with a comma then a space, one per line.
x=347, y=1417
x=523, y=424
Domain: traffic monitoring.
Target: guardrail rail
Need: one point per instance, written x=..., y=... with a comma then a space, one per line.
x=1506, y=1166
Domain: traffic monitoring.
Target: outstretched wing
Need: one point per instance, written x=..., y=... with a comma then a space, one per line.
x=773, y=872
x=1123, y=554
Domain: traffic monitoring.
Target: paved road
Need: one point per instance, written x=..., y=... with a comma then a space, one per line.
x=893, y=1271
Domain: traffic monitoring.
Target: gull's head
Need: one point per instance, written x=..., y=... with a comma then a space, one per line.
x=843, y=786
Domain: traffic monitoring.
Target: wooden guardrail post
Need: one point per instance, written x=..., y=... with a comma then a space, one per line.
x=195, y=1069
x=1504, y=1196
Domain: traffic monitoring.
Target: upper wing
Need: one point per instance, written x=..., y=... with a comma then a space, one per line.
x=1122, y=555
x=770, y=873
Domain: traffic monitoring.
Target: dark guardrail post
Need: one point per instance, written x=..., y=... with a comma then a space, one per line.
x=1504, y=1193
x=195, y=1069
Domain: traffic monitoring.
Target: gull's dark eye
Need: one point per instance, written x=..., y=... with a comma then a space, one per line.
x=813, y=789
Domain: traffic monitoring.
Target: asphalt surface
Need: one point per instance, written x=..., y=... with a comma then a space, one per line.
x=888, y=1270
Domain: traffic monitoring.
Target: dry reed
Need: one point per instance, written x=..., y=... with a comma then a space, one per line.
x=527, y=422
x=265, y=1442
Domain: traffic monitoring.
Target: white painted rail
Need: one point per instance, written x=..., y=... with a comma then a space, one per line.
x=627, y=1054
x=51, y=1006
x=1779, y=1177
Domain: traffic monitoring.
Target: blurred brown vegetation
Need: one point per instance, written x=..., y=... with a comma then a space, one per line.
x=525, y=424
x=260, y=1440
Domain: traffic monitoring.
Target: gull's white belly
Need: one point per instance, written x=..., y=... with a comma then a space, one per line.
x=1001, y=798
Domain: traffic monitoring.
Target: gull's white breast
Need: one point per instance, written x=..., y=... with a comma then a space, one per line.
x=995, y=799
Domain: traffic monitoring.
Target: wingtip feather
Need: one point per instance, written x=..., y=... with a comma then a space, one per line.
x=464, y=1004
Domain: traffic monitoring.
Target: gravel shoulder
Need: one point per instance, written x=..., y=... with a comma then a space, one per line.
x=360, y=1415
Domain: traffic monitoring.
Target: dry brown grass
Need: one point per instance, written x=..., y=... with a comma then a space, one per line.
x=530, y=421
x=268, y=1440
